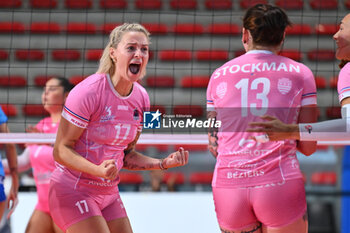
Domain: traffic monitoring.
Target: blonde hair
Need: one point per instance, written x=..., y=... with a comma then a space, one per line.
x=106, y=63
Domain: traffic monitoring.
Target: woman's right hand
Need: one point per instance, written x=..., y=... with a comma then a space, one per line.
x=108, y=169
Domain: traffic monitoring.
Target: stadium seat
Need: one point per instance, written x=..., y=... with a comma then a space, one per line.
x=175, y=55
x=65, y=55
x=148, y=4
x=10, y=4
x=3, y=55
x=41, y=80
x=224, y=29
x=76, y=79
x=80, y=28
x=324, y=4
x=199, y=81
x=9, y=109
x=45, y=28
x=333, y=112
x=130, y=178
x=245, y=4
x=218, y=5
x=183, y=4
x=203, y=178
x=13, y=81
x=160, y=81
x=93, y=54
x=290, y=4
x=321, y=82
x=291, y=53
x=78, y=4
x=299, y=29
x=160, y=108
x=188, y=29
x=347, y=4
x=321, y=55
x=113, y=4
x=156, y=28
x=34, y=110
x=193, y=110
x=190, y=147
x=11, y=27
x=211, y=55
x=43, y=4
x=107, y=28
x=333, y=82
x=326, y=29
x=29, y=55
x=239, y=53
x=324, y=178
x=177, y=177
x=321, y=217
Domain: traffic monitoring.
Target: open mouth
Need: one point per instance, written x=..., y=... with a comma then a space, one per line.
x=134, y=68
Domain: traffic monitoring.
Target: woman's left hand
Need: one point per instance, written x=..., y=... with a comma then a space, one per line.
x=176, y=159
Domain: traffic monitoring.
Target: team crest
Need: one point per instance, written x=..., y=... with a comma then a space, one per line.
x=221, y=90
x=284, y=85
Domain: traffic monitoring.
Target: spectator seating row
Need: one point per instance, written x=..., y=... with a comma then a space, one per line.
x=173, y=4
x=62, y=55
x=76, y=28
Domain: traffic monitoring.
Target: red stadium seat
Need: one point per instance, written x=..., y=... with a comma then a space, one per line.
x=324, y=4
x=160, y=81
x=34, y=110
x=347, y=4
x=10, y=3
x=13, y=81
x=299, y=29
x=324, y=178
x=41, y=80
x=195, y=81
x=183, y=4
x=245, y=4
x=326, y=29
x=160, y=108
x=65, y=55
x=43, y=4
x=177, y=177
x=113, y=4
x=188, y=29
x=175, y=55
x=156, y=28
x=203, y=178
x=290, y=4
x=107, y=28
x=291, y=53
x=10, y=110
x=93, y=54
x=224, y=29
x=78, y=4
x=29, y=55
x=333, y=112
x=3, y=55
x=130, y=178
x=211, y=55
x=321, y=82
x=76, y=79
x=239, y=53
x=218, y=5
x=333, y=82
x=192, y=147
x=193, y=110
x=45, y=28
x=11, y=27
x=148, y=4
x=80, y=28
x=321, y=55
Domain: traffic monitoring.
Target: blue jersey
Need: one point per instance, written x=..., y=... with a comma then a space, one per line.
x=3, y=117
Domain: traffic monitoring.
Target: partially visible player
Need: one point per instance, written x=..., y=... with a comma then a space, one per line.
x=11, y=156
x=40, y=157
x=259, y=187
x=331, y=130
x=102, y=121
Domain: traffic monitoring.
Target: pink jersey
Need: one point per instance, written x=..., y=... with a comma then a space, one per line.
x=344, y=82
x=41, y=159
x=110, y=121
x=252, y=85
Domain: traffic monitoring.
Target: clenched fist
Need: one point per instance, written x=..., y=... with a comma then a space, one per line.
x=176, y=159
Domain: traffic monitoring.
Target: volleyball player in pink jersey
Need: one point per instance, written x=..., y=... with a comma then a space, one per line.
x=259, y=187
x=101, y=124
x=40, y=157
x=331, y=130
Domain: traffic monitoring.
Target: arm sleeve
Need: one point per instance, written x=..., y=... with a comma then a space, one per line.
x=3, y=117
x=210, y=99
x=23, y=162
x=309, y=95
